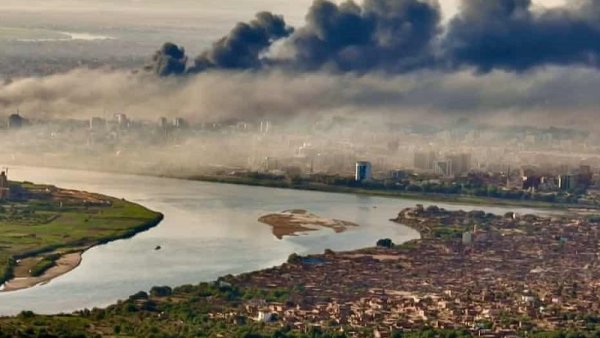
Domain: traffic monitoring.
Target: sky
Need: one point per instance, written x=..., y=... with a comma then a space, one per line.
x=294, y=9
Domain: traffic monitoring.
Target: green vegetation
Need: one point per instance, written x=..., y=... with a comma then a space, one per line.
x=43, y=265
x=294, y=258
x=189, y=311
x=385, y=243
x=40, y=219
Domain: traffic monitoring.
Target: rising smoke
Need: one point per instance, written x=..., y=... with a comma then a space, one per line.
x=392, y=35
x=398, y=36
x=245, y=44
x=499, y=97
x=508, y=34
x=169, y=60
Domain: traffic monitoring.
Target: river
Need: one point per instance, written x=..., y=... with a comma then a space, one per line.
x=209, y=230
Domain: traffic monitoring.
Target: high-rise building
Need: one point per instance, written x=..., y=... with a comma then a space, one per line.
x=15, y=121
x=179, y=122
x=363, y=171
x=424, y=160
x=122, y=120
x=265, y=127
x=532, y=182
x=584, y=175
x=567, y=182
x=461, y=163
x=443, y=168
x=4, y=185
x=97, y=123
x=163, y=123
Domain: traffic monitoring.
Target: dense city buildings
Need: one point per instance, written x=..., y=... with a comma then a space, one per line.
x=484, y=161
x=493, y=275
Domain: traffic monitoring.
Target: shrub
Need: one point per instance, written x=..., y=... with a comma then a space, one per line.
x=385, y=243
x=161, y=291
x=294, y=258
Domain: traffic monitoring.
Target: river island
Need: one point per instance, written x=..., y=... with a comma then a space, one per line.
x=44, y=230
x=298, y=221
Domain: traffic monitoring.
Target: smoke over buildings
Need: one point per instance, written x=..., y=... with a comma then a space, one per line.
x=537, y=97
x=493, y=61
x=169, y=60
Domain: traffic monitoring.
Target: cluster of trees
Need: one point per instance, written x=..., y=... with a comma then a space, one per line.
x=43, y=265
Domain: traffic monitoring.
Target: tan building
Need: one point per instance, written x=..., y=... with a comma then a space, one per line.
x=4, y=186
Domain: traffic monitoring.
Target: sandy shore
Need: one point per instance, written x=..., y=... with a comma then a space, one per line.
x=294, y=222
x=24, y=280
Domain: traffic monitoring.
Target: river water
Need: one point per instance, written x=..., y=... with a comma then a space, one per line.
x=209, y=230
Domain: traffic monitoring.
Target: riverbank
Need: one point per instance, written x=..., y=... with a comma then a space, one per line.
x=45, y=229
x=22, y=278
x=433, y=197
x=287, y=184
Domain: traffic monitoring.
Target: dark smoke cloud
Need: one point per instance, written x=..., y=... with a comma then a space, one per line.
x=508, y=34
x=245, y=44
x=392, y=35
x=169, y=60
x=399, y=36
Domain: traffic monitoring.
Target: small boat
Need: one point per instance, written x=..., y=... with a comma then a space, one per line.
x=157, y=247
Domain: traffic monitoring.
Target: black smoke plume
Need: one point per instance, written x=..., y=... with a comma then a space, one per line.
x=392, y=35
x=245, y=44
x=399, y=36
x=509, y=35
x=169, y=60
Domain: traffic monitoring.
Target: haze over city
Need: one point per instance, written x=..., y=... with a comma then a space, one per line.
x=305, y=168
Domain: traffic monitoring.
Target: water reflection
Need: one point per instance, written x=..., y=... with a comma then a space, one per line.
x=209, y=230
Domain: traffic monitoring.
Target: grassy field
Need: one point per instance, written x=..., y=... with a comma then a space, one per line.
x=44, y=220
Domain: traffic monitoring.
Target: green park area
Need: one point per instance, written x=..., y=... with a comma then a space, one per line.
x=40, y=223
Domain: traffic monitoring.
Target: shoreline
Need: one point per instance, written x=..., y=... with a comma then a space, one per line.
x=299, y=222
x=429, y=197
x=67, y=262
x=89, y=220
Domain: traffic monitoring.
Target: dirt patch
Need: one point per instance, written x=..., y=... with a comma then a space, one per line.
x=297, y=221
x=24, y=280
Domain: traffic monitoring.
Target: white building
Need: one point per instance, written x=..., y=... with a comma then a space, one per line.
x=467, y=238
x=265, y=316
x=364, y=171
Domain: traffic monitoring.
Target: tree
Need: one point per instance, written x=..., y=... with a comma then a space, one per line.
x=385, y=243
x=161, y=291
x=294, y=258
